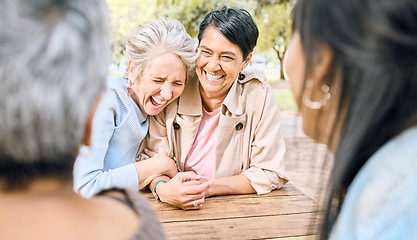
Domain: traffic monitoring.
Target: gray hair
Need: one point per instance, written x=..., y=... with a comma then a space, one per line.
x=156, y=37
x=54, y=57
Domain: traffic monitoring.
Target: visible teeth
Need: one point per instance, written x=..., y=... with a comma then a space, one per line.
x=160, y=102
x=214, y=77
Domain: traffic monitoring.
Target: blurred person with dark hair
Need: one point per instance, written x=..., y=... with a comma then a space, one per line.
x=353, y=70
x=54, y=57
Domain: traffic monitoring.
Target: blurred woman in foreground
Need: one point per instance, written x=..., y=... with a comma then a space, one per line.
x=353, y=69
x=53, y=64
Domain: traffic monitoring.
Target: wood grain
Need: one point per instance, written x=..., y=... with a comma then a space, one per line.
x=286, y=213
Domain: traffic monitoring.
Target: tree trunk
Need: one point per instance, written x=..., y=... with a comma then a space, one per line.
x=281, y=61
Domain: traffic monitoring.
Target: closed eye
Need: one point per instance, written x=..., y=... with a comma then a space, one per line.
x=205, y=53
x=178, y=83
x=157, y=80
x=227, y=58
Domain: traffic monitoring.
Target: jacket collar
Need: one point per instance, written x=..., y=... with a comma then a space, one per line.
x=190, y=102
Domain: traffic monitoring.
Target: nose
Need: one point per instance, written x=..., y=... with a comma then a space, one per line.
x=213, y=64
x=166, y=91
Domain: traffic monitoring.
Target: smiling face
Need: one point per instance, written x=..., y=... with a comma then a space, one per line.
x=160, y=83
x=218, y=65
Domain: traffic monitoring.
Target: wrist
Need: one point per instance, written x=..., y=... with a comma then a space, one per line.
x=208, y=192
x=155, y=187
x=161, y=190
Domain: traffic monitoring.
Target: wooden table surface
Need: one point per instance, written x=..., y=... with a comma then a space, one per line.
x=286, y=213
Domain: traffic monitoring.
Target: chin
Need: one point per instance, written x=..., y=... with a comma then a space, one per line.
x=153, y=111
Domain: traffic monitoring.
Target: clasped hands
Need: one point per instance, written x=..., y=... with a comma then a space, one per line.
x=185, y=190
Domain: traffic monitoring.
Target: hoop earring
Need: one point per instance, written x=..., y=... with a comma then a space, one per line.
x=323, y=101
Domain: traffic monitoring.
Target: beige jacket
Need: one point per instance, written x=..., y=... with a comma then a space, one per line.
x=248, y=137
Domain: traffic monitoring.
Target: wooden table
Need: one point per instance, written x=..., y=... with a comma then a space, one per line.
x=286, y=213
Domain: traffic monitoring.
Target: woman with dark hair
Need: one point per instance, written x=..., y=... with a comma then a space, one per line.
x=224, y=131
x=353, y=69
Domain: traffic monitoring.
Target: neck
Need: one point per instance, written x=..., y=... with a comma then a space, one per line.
x=44, y=187
x=211, y=103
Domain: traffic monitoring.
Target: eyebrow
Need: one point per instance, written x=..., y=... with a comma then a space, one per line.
x=225, y=52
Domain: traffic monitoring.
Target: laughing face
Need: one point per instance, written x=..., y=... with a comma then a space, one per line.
x=218, y=65
x=160, y=83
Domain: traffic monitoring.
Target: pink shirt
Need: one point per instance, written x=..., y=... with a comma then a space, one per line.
x=200, y=159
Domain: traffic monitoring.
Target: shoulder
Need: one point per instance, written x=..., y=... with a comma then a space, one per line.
x=383, y=187
x=116, y=82
x=151, y=228
x=148, y=226
x=253, y=74
x=116, y=96
x=255, y=88
x=254, y=80
x=117, y=86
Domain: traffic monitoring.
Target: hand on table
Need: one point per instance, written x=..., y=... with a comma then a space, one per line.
x=185, y=190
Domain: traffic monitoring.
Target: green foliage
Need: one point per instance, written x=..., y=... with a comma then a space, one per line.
x=286, y=100
x=274, y=22
x=275, y=26
x=127, y=14
x=191, y=12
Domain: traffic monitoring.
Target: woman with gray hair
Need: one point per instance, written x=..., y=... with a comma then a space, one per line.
x=160, y=55
x=53, y=63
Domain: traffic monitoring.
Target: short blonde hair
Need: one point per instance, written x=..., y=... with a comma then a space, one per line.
x=156, y=37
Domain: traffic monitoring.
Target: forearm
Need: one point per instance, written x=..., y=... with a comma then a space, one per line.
x=147, y=171
x=94, y=181
x=266, y=169
x=238, y=184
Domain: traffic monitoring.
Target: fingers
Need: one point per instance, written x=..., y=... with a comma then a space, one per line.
x=195, y=204
x=196, y=187
x=192, y=182
x=149, y=152
x=188, y=176
x=187, y=195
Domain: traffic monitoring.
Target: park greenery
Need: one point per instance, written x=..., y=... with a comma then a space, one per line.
x=273, y=18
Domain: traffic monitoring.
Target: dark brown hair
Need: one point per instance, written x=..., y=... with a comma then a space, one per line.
x=375, y=61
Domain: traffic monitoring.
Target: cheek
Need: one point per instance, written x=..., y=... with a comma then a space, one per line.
x=200, y=62
x=138, y=90
x=145, y=88
x=232, y=71
x=176, y=92
x=294, y=68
